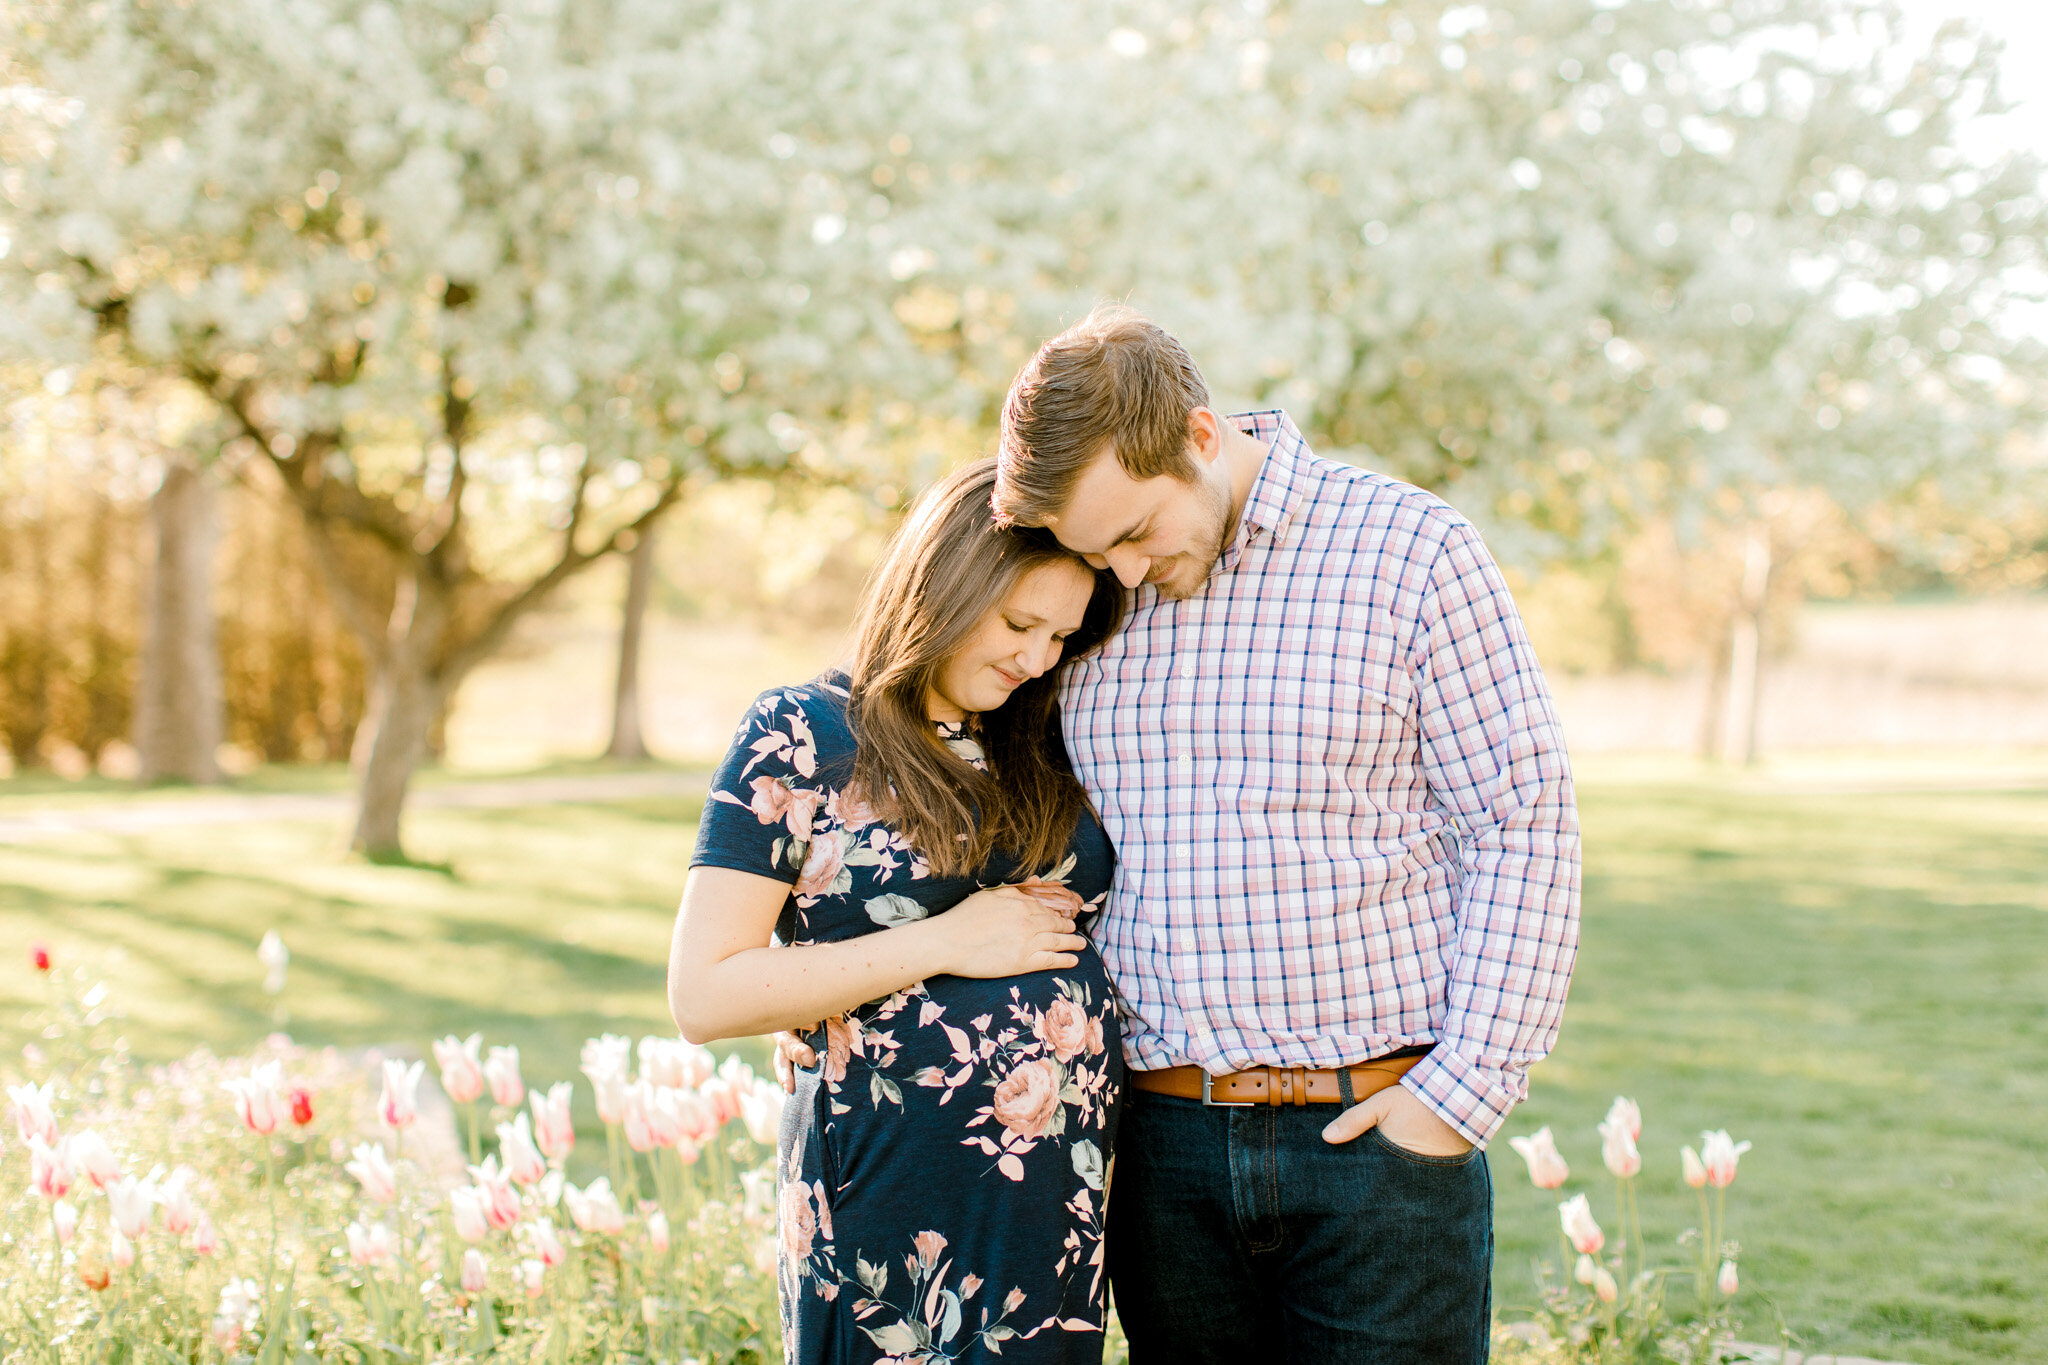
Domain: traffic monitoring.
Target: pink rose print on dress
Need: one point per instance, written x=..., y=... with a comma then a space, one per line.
x=1063, y=1027
x=824, y=867
x=1028, y=1099
x=771, y=799
x=838, y=1047
x=799, y=1222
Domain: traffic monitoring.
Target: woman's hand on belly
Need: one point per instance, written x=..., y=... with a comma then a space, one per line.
x=1008, y=931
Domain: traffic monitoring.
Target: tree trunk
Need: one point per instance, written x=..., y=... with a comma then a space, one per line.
x=405, y=697
x=178, y=697
x=627, y=740
x=1745, y=651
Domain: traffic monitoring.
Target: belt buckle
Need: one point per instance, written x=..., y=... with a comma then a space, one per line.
x=1209, y=1099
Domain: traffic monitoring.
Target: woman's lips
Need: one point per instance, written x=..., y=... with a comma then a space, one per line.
x=1009, y=679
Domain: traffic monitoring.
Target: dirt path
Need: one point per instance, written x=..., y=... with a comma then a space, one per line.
x=142, y=814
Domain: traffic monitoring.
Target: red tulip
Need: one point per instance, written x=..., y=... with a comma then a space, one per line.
x=95, y=1276
x=39, y=954
x=302, y=1105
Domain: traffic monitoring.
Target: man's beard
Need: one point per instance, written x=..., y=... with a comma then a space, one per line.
x=1207, y=549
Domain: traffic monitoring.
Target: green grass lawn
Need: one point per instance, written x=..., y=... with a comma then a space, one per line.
x=1858, y=984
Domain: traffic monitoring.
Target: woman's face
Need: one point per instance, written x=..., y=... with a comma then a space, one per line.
x=1016, y=642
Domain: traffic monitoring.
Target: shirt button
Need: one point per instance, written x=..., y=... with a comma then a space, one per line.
x=1186, y=760
x=1180, y=850
x=1187, y=939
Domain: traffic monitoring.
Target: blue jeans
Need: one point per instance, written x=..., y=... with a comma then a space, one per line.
x=1239, y=1235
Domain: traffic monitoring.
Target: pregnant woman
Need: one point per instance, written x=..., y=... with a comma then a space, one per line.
x=911, y=836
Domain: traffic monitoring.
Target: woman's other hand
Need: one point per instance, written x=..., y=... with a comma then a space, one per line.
x=1007, y=931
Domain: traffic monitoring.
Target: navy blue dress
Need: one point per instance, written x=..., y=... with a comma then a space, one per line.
x=942, y=1168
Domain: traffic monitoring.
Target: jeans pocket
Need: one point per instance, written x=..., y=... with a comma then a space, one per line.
x=1423, y=1158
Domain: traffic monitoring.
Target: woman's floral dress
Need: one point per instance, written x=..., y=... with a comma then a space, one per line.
x=942, y=1168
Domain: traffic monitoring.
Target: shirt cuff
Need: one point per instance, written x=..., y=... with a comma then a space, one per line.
x=1473, y=1099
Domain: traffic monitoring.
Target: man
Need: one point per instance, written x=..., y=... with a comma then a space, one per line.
x=1346, y=905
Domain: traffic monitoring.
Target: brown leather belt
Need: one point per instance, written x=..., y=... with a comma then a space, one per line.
x=1275, y=1085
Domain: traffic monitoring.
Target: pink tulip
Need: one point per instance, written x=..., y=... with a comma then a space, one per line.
x=239, y=1302
x=1577, y=1217
x=724, y=1100
x=174, y=1197
x=1727, y=1282
x=129, y=1201
x=259, y=1098
x=657, y=1231
x=398, y=1103
x=1719, y=1153
x=205, y=1241
x=370, y=1246
x=606, y=1062
x=664, y=1061
x=474, y=1271
x=697, y=1120
x=1695, y=1170
x=547, y=1244
x=761, y=1112
x=530, y=1276
x=553, y=1127
x=462, y=1074
x=594, y=1208
x=1547, y=1170
x=501, y=1069
x=50, y=1167
x=374, y=1171
x=1625, y=1115
x=33, y=1116
x=1586, y=1271
x=466, y=1210
x=639, y=1117
x=120, y=1251
x=500, y=1200
x=65, y=1218
x=523, y=1161
x=94, y=1159
x=1618, y=1149
x=1604, y=1285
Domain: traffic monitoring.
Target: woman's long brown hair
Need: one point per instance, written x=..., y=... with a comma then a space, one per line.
x=947, y=568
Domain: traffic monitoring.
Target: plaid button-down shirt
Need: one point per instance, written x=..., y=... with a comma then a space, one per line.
x=1342, y=811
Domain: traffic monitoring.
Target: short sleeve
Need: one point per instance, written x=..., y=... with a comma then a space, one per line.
x=757, y=817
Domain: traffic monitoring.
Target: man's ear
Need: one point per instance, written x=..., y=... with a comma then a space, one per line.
x=1205, y=435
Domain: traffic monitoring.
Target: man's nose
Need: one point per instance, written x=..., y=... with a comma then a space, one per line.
x=1130, y=569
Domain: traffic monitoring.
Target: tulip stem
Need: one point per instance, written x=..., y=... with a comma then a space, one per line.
x=270, y=1193
x=56, y=1259
x=476, y=1142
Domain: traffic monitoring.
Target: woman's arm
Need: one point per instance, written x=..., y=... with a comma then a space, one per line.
x=725, y=979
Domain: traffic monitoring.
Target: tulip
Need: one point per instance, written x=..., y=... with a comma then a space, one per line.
x=549, y=1191
x=372, y=1245
x=594, y=1208
x=33, y=1116
x=737, y=1074
x=697, y=1119
x=665, y=1061
x=547, y=1244
x=501, y=1069
x=761, y=1112
x=39, y=956
x=553, y=1128
x=462, y=1075
x=759, y=1201
x=120, y=1251
x=239, y=1302
x=398, y=1104
x=1727, y=1282
x=1586, y=1271
x=174, y=1197
x=1618, y=1149
x=1604, y=1285
x=1695, y=1169
x=205, y=1241
x=606, y=1061
x=257, y=1100
x=500, y=1200
x=373, y=1170
x=1547, y=1170
x=530, y=1273
x=94, y=1275
x=94, y=1159
x=1719, y=1153
x=302, y=1105
x=65, y=1218
x=130, y=1200
x=639, y=1117
x=50, y=1167
x=723, y=1098
x=474, y=1271
x=274, y=956
x=1577, y=1216
x=466, y=1210
x=1624, y=1114
x=523, y=1161
x=657, y=1231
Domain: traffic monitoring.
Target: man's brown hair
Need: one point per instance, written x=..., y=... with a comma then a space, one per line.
x=1115, y=376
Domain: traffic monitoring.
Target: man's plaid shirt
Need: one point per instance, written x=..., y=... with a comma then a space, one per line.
x=1340, y=800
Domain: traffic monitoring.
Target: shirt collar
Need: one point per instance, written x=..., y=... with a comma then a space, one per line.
x=1277, y=490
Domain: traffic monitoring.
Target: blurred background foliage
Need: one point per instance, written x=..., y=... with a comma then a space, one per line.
x=1702, y=308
